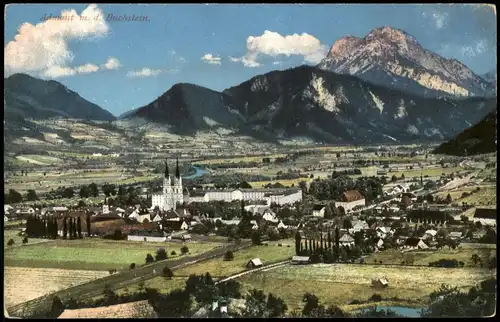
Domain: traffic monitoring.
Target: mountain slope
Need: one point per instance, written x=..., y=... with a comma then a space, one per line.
x=390, y=57
x=479, y=139
x=29, y=97
x=188, y=108
x=310, y=102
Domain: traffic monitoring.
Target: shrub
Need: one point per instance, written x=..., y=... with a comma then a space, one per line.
x=173, y=253
x=10, y=242
x=375, y=298
x=167, y=272
x=228, y=255
x=354, y=302
x=184, y=250
x=25, y=240
x=279, y=245
x=161, y=254
x=132, y=266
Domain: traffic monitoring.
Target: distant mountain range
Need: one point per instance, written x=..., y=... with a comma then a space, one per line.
x=381, y=88
x=390, y=57
x=313, y=103
x=29, y=97
x=478, y=139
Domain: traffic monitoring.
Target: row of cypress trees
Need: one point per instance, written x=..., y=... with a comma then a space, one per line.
x=46, y=227
x=41, y=227
x=311, y=247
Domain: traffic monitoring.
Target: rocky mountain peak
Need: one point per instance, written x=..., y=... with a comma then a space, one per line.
x=392, y=58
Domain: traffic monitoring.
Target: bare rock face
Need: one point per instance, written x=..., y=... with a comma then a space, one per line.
x=390, y=57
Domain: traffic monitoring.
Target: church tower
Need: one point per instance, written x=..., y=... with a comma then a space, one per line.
x=167, y=189
x=177, y=190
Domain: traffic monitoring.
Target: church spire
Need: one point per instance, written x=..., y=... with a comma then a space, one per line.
x=177, y=172
x=166, y=169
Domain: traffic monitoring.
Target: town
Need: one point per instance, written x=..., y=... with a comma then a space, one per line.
x=383, y=225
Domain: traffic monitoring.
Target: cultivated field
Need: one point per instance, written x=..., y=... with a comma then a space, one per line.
x=464, y=254
x=18, y=240
x=342, y=283
x=23, y=284
x=94, y=254
x=220, y=268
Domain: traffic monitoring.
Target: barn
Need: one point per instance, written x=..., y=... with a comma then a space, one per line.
x=254, y=263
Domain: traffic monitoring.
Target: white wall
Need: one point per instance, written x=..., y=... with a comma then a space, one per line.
x=148, y=238
x=350, y=205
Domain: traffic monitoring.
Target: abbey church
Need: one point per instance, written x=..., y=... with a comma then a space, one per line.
x=172, y=193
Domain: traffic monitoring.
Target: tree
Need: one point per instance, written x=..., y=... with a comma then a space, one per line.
x=10, y=242
x=65, y=228
x=184, y=250
x=84, y=192
x=14, y=197
x=177, y=303
x=276, y=307
x=228, y=256
x=448, y=199
x=88, y=225
x=256, y=304
x=245, y=185
x=57, y=307
x=161, y=254
x=93, y=190
x=311, y=303
x=475, y=259
x=394, y=178
x=31, y=195
x=297, y=243
x=202, y=287
x=303, y=186
x=79, y=227
x=68, y=192
x=167, y=272
x=149, y=259
x=25, y=240
x=256, y=238
x=132, y=266
x=229, y=289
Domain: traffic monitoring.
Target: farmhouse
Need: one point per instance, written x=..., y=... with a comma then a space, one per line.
x=139, y=309
x=350, y=199
x=415, y=243
x=380, y=282
x=487, y=217
x=358, y=226
x=175, y=225
x=300, y=260
x=254, y=263
x=429, y=234
x=346, y=240
x=282, y=225
x=318, y=211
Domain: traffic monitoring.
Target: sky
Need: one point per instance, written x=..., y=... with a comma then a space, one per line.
x=121, y=64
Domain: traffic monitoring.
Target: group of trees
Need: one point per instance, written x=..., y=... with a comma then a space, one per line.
x=325, y=250
x=333, y=188
x=449, y=301
x=41, y=227
x=72, y=228
x=12, y=197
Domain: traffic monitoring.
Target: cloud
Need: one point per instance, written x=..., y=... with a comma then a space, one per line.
x=148, y=72
x=60, y=71
x=438, y=18
x=43, y=48
x=145, y=72
x=273, y=44
x=112, y=63
x=208, y=58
